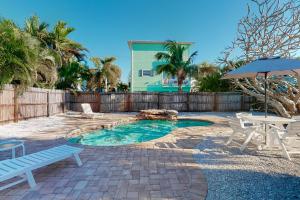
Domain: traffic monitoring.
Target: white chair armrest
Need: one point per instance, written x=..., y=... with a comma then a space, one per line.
x=276, y=127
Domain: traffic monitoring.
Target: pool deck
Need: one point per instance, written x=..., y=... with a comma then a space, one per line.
x=166, y=168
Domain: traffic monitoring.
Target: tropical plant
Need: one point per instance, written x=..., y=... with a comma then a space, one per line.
x=123, y=87
x=213, y=82
x=46, y=68
x=205, y=69
x=37, y=29
x=22, y=60
x=49, y=60
x=72, y=76
x=33, y=55
x=68, y=49
x=209, y=79
x=174, y=63
x=105, y=73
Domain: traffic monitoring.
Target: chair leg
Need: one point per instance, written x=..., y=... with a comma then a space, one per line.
x=284, y=150
x=248, y=139
x=30, y=179
x=77, y=158
x=23, y=150
x=13, y=153
x=230, y=138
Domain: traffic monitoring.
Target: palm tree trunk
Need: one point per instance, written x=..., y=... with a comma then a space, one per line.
x=99, y=84
x=179, y=85
x=106, y=85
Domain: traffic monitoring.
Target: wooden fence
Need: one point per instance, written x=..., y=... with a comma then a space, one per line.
x=35, y=102
x=185, y=102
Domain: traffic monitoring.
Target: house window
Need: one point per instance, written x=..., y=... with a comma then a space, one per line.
x=144, y=72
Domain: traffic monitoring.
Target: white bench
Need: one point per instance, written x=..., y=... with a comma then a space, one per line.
x=24, y=165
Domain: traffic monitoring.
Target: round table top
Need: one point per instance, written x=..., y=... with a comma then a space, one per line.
x=269, y=119
x=9, y=144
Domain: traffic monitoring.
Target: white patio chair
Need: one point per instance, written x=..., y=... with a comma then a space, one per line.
x=297, y=118
x=288, y=138
x=24, y=165
x=244, y=122
x=88, y=112
x=249, y=132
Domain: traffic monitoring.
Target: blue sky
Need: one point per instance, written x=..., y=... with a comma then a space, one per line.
x=104, y=27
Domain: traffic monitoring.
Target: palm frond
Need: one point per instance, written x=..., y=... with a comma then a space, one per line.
x=166, y=68
x=162, y=56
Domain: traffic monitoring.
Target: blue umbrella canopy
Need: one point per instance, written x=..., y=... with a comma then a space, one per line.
x=263, y=66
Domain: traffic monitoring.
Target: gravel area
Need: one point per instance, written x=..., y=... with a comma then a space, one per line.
x=249, y=175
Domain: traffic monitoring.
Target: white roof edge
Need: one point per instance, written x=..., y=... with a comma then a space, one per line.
x=130, y=42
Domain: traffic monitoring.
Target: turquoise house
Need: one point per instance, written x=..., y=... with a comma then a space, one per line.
x=143, y=63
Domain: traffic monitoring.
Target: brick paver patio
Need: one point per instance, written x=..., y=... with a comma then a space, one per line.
x=159, y=169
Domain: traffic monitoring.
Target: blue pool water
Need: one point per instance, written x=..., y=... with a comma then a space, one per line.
x=136, y=132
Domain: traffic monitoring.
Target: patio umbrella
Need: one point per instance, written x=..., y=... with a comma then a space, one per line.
x=266, y=67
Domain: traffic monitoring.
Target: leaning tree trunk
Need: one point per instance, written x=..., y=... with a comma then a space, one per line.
x=279, y=108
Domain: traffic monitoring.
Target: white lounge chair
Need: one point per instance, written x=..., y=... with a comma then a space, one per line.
x=24, y=165
x=88, y=112
x=288, y=138
x=249, y=131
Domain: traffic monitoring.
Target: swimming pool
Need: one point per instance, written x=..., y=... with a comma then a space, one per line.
x=136, y=132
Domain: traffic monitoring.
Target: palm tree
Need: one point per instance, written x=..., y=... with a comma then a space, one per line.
x=37, y=29
x=209, y=79
x=174, y=62
x=111, y=72
x=72, y=76
x=18, y=55
x=105, y=71
x=32, y=56
x=205, y=69
x=67, y=48
x=46, y=66
x=48, y=59
x=24, y=60
x=97, y=76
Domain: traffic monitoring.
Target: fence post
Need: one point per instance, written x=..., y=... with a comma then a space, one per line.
x=16, y=106
x=188, y=102
x=48, y=104
x=64, y=101
x=99, y=100
x=128, y=103
x=242, y=102
x=215, y=107
x=67, y=101
x=158, y=104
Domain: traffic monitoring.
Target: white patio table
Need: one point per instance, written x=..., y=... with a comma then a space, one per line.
x=275, y=120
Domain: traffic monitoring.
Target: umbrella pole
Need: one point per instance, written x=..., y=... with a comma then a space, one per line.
x=266, y=104
x=266, y=99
